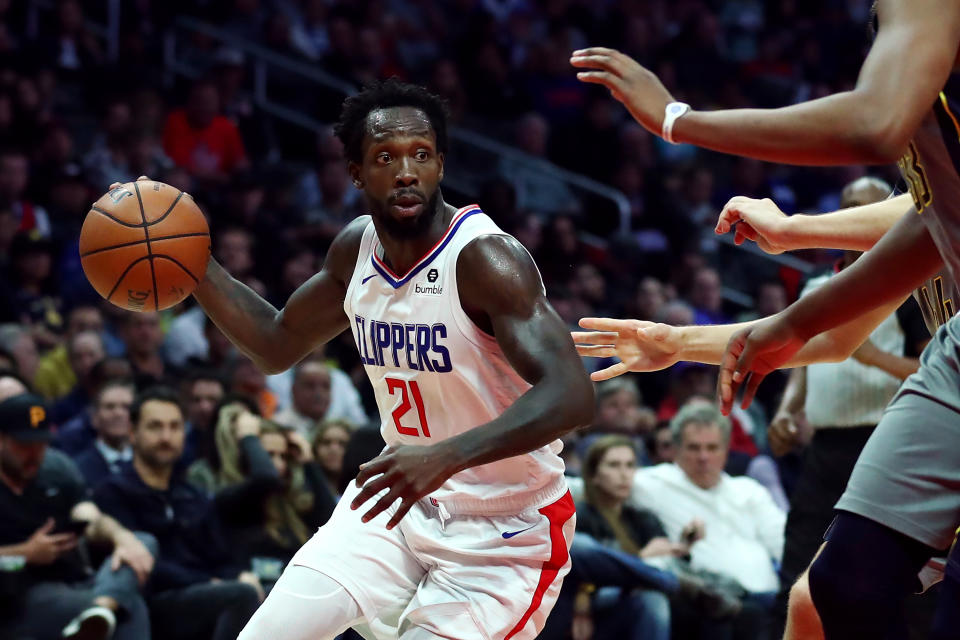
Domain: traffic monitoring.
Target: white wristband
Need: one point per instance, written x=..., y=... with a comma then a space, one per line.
x=672, y=113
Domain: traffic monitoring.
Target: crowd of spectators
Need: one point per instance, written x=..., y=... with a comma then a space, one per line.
x=166, y=423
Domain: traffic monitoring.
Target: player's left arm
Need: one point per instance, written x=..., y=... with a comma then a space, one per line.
x=500, y=285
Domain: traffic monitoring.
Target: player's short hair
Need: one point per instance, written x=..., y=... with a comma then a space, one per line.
x=382, y=94
x=700, y=413
x=157, y=393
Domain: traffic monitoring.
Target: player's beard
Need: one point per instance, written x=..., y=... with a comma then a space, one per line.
x=411, y=227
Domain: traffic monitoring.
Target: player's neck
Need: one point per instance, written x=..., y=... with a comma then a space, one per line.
x=401, y=253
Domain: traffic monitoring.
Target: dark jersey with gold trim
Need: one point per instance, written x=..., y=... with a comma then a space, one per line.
x=931, y=167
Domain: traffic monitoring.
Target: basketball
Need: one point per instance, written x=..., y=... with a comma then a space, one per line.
x=144, y=245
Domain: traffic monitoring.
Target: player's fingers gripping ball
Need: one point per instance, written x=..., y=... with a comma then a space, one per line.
x=144, y=245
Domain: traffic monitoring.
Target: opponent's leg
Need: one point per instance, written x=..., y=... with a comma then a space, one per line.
x=303, y=605
x=861, y=578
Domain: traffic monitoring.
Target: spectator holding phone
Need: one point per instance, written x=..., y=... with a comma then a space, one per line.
x=47, y=588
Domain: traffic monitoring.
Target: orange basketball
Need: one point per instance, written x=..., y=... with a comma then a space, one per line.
x=144, y=245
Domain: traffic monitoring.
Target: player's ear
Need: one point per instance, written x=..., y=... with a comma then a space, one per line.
x=440, y=160
x=354, y=170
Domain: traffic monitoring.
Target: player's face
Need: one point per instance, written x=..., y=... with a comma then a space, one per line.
x=158, y=437
x=703, y=454
x=614, y=477
x=401, y=169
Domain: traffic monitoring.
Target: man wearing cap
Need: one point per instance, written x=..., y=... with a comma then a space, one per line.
x=46, y=517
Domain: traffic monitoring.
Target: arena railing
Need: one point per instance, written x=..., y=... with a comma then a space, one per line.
x=484, y=151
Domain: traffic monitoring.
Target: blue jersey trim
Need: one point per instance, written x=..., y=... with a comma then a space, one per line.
x=420, y=266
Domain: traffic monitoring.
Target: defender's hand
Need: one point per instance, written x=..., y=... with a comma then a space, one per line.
x=640, y=91
x=640, y=345
x=751, y=354
x=410, y=472
x=758, y=220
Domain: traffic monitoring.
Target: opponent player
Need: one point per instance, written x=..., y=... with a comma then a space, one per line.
x=901, y=503
x=476, y=378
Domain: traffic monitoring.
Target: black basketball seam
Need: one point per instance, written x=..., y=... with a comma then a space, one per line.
x=115, y=218
x=124, y=275
x=143, y=217
x=146, y=232
x=179, y=264
x=136, y=242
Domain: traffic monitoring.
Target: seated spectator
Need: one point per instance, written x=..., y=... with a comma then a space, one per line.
x=84, y=352
x=660, y=447
x=14, y=179
x=46, y=519
x=329, y=445
x=345, y=401
x=18, y=342
x=77, y=434
x=196, y=591
x=706, y=296
x=608, y=472
x=618, y=411
x=248, y=380
x=203, y=392
x=743, y=527
x=201, y=140
x=55, y=377
x=617, y=584
x=268, y=500
x=34, y=286
x=142, y=336
x=111, y=421
x=537, y=186
x=310, y=393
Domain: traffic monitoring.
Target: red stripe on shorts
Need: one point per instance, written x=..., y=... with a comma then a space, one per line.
x=557, y=513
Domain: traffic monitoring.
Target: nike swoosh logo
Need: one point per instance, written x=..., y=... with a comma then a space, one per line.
x=364, y=281
x=509, y=534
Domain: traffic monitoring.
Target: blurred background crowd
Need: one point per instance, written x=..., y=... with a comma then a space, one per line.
x=620, y=224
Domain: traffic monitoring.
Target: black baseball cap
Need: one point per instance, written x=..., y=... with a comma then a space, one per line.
x=24, y=417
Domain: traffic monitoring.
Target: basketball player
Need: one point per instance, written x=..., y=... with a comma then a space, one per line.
x=902, y=502
x=476, y=378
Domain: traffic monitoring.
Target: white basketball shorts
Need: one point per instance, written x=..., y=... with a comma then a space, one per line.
x=469, y=577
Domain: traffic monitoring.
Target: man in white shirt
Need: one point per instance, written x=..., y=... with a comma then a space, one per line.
x=743, y=526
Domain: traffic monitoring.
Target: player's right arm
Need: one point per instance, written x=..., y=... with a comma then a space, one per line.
x=899, y=263
x=277, y=339
x=853, y=229
x=901, y=77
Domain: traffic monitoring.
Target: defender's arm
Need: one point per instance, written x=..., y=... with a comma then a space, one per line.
x=871, y=123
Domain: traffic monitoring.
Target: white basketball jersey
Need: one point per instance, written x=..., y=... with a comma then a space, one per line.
x=436, y=374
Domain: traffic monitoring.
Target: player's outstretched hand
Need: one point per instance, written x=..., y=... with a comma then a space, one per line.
x=751, y=354
x=640, y=345
x=410, y=472
x=640, y=91
x=761, y=221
